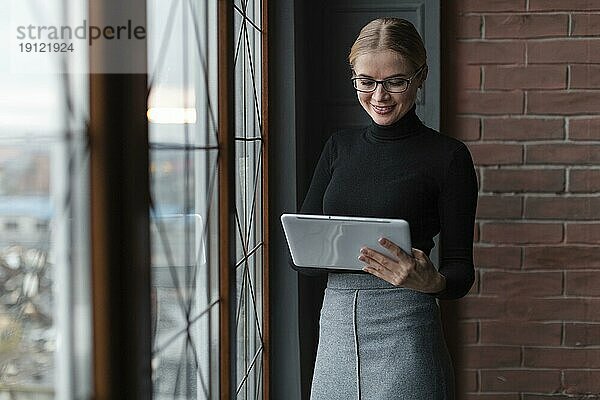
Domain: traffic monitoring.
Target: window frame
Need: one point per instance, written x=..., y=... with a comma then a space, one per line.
x=122, y=344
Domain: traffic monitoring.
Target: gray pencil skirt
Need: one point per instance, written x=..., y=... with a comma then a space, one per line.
x=380, y=342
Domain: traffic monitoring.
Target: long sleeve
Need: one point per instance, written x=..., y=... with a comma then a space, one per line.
x=457, y=206
x=313, y=201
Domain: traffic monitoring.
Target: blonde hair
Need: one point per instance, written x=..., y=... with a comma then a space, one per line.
x=390, y=33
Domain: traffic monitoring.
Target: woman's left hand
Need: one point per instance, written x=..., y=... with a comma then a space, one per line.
x=414, y=271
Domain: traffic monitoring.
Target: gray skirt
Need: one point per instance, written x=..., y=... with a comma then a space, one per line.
x=381, y=342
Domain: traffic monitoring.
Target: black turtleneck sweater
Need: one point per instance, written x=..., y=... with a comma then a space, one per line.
x=408, y=171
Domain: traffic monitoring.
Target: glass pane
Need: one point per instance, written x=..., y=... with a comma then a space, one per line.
x=183, y=140
x=27, y=317
x=45, y=304
x=249, y=205
x=182, y=59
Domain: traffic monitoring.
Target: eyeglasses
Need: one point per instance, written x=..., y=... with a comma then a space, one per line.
x=391, y=85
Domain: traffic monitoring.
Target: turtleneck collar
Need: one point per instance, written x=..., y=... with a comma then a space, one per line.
x=406, y=126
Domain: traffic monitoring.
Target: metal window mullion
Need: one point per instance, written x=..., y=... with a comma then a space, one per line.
x=266, y=358
x=62, y=288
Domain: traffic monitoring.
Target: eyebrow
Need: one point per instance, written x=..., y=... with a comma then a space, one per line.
x=389, y=77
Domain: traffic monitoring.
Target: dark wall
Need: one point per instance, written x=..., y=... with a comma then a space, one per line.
x=311, y=136
x=284, y=379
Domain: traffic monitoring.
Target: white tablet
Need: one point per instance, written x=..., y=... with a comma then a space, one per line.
x=323, y=241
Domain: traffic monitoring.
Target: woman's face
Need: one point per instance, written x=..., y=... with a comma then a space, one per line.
x=383, y=107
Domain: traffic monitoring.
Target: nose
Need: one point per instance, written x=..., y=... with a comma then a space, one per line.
x=380, y=93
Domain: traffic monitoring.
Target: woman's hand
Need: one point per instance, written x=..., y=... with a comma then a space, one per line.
x=414, y=271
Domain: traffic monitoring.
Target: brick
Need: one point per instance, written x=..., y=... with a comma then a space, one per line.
x=583, y=233
x=526, y=25
x=465, y=129
x=482, y=307
x=584, y=208
x=476, y=307
x=521, y=232
x=520, y=381
x=563, y=103
x=582, y=381
x=523, y=129
x=582, y=283
x=469, y=27
x=575, y=51
x=466, y=380
x=584, y=129
x=585, y=25
x=489, y=357
x=552, y=309
x=505, y=257
x=561, y=257
x=468, y=78
x=476, y=232
x=490, y=103
x=582, y=334
x=530, y=77
x=491, y=5
x=521, y=283
x=584, y=180
x=523, y=180
x=468, y=332
x=562, y=153
x=483, y=52
x=562, y=5
x=520, y=333
x=528, y=309
x=499, y=207
x=561, y=358
x=585, y=77
x=496, y=153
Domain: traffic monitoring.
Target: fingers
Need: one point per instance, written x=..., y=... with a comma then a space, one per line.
x=383, y=267
x=395, y=279
x=375, y=272
x=408, y=271
x=419, y=254
x=393, y=248
x=375, y=256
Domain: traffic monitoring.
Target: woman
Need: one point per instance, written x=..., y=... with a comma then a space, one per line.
x=380, y=331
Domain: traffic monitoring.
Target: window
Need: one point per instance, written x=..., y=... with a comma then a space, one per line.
x=44, y=245
x=249, y=150
x=183, y=114
x=44, y=273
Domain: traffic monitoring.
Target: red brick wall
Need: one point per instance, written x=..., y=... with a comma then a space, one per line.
x=521, y=86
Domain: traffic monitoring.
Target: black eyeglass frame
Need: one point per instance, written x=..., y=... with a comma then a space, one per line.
x=383, y=82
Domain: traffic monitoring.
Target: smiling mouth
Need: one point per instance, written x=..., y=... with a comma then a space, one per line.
x=382, y=110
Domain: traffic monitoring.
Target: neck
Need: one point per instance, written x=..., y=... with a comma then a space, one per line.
x=404, y=127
